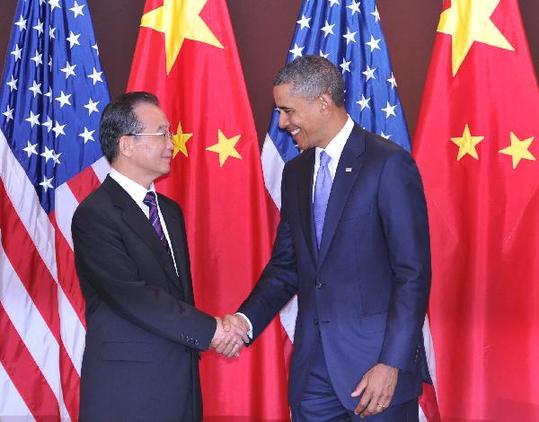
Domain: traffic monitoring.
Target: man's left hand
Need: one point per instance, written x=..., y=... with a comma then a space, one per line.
x=376, y=389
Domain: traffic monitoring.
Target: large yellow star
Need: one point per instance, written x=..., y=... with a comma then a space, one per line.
x=467, y=143
x=468, y=21
x=225, y=147
x=179, y=20
x=180, y=140
x=518, y=150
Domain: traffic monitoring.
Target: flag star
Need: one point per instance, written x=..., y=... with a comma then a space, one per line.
x=364, y=102
x=38, y=58
x=304, y=22
x=56, y=158
x=54, y=3
x=96, y=48
x=389, y=109
x=58, y=129
x=392, y=81
x=33, y=119
x=369, y=73
x=35, y=88
x=51, y=33
x=12, y=84
x=87, y=135
x=69, y=70
x=48, y=124
x=92, y=106
x=38, y=27
x=73, y=39
x=8, y=113
x=327, y=29
x=349, y=36
x=354, y=7
x=467, y=143
x=77, y=10
x=333, y=2
x=21, y=23
x=50, y=63
x=46, y=183
x=48, y=154
x=95, y=76
x=63, y=99
x=225, y=147
x=17, y=52
x=345, y=65
x=49, y=93
x=519, y=150
x=30, y=149
x=297, y=51
x=374, y=43
x=324, y=55
x=383, y=135
x=376, y=14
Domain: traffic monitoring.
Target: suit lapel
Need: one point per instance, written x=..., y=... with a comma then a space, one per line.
x=176, y=231
x=138, y=222
x=305, y=195
x=346, y=175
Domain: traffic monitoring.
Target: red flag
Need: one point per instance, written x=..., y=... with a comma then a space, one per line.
x=187, y=56
x=477, y=148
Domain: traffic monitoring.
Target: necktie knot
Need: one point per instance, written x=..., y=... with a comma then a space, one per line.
x=324, y=159
x=150, y=200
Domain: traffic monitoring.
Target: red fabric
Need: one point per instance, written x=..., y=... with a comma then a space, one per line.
x=484, y=219
x=226, y=208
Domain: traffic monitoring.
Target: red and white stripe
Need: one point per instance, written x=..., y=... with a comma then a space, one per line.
x=41, y=306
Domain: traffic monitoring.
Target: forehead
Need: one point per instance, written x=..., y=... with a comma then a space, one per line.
x=150, y=115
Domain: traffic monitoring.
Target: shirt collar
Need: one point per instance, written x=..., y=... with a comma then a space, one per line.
x=335, y=147
x=135, y=190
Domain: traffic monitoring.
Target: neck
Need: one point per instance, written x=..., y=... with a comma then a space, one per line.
x=128, y=172
x=336, y=122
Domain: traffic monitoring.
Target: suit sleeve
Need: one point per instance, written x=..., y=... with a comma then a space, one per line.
x=403, y=212
x=104, y=264
x=279, y=280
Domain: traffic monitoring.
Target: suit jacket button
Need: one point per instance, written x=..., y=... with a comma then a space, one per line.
x=315, y=322
x=319, y=285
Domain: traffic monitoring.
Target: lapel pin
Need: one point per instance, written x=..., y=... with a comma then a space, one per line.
x=348, y=169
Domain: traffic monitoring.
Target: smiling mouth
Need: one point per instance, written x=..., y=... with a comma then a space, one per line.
x=294, y=132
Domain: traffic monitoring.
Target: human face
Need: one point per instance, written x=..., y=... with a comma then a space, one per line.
x=150, y=154
x=303, y=118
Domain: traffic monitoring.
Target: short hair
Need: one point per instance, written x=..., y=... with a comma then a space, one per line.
x=312, y=76
x=119, y=119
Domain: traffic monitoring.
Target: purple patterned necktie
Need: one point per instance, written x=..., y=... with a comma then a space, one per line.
x=322, y=189
x=151, y=201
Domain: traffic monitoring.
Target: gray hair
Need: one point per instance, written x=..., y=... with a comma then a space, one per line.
x=312, y=76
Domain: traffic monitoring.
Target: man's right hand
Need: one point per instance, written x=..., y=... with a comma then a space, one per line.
x=229, y=338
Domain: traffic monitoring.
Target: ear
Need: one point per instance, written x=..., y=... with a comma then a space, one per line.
x=325, y=103
x=125, y=146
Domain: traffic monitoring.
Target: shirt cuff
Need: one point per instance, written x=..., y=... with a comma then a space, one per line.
x=250, y=332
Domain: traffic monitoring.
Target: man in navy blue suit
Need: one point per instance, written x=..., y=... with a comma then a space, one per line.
x=353, y=244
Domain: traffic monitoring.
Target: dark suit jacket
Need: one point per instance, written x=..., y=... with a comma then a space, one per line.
x=364, y=293
x=143, y=332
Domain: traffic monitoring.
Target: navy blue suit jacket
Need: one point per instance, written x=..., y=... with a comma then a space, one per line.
x=365, y=292
x=143, y=332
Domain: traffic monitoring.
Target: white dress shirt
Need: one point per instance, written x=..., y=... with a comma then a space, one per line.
x=138, y=192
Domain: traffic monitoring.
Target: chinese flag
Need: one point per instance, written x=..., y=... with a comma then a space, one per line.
x=187, y=56
x=477, y=148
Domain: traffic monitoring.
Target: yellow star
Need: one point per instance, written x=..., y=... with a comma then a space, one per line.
x=518, y=150
x=179, y=140
x=467, y=143
x=179, y=20
x=468, y=21
x=225, y=147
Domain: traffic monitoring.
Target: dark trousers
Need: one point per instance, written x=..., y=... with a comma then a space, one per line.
x=320, y=402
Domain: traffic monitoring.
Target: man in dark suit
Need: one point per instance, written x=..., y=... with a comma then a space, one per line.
x=143, y=334
x=353, y=244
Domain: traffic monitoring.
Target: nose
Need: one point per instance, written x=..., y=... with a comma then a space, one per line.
x=283, y=120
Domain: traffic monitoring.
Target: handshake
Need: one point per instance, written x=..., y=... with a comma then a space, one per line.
x=230, y=335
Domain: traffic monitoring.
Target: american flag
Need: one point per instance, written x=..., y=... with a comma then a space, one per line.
x=53, y=90
x=347, y=32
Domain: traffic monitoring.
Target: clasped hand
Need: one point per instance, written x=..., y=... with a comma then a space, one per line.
x=230, y=335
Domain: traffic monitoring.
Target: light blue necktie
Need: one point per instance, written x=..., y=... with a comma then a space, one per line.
x=322, y=188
